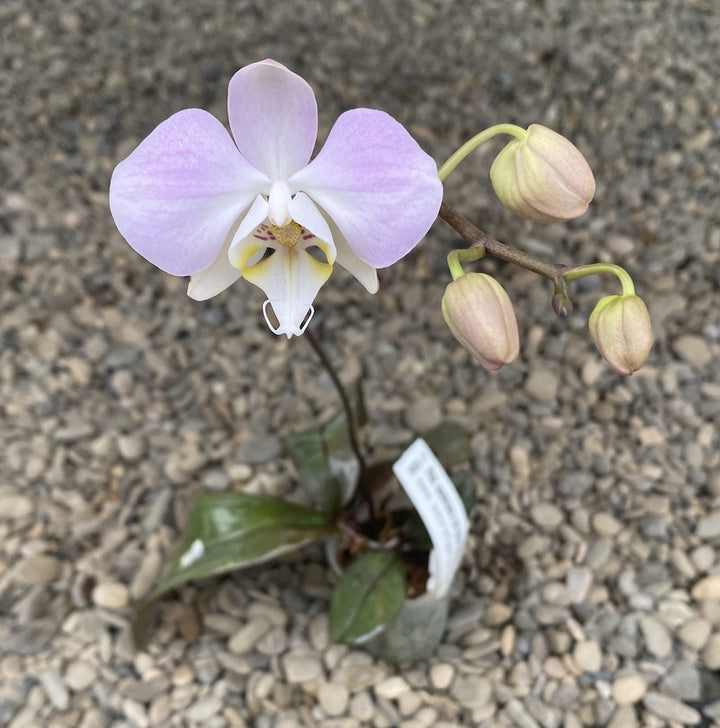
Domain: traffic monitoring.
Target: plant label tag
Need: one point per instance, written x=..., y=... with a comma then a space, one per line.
x=437, y=501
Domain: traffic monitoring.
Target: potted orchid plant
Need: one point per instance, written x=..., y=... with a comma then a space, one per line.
x=253, y=204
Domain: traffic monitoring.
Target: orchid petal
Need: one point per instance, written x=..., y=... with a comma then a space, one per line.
x=255, y=215
x=366, y=274
x=306, y=214
x=176, y=197
x=376, y=183
x=291, y=278
x=273, y=118
x=215, y=278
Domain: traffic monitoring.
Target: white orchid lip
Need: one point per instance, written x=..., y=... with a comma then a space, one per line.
x=192, y=198
x=287, y=271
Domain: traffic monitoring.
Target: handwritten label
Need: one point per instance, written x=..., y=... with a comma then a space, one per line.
x=437, y=501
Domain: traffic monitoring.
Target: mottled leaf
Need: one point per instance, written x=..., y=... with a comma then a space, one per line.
x=368, y=596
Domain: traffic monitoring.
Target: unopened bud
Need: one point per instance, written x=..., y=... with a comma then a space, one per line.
x=621, y=329
x=482, y=319
x=543, y=177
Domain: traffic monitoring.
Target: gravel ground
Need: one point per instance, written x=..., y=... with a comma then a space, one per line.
x=590, y=591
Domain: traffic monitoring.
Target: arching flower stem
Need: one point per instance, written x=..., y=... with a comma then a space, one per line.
x=352, y=433
x=628, y=288
x=511, y=129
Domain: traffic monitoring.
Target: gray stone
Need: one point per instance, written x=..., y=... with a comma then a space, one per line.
x=111, y=595
x=694, y=349
x=204, y=708
x=55, y=688
x=80, y=675
x=588, y=656
x=519, y=714
x=623, y=717
x=423, y=414
x=471, y=691
x=656, y=636
x=37, y=569
x=683, y=683
x=333, y=698
x=708, y=527
x=629, y=689
x=301, y=668
x=671, y=709
x=547, y=516
x=579, y=580
x=262, y=450
x=695, y=632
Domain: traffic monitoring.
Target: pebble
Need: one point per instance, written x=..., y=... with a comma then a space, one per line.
x=694, y=349
x=423, y=414
x=362, y=707
x=80, y=675
x=703, y=557
x=248, y=635
x=542, y=385
x=708, y=527
x=606, y=525
x=131, y=447
x=671, y=709
x=623, y=717
x=695, y=632
x=471, y=691
x=333, y=698
x=711, y=653
x=391, y=688
x=273, y=642
x=301, y=668
x=111, y=595
x=182, y=675
x=55, y=688
x=204, y=708
x=135, y=712
x=441, y=675
x=497, y=613
x=656, y=636
x=547, y=516
x=588, y=656
x=519, y=715
x=37, y=569
x=14, y=506
x=707, y=588
x=628, y=689
x=579, y=580
x=683, y=683
x=262, y=450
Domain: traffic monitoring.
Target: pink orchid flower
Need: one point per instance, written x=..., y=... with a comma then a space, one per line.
x=196, y=201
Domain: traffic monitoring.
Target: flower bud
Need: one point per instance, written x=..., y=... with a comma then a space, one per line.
x=620, y=327
x=482, y=319
x=543, y=177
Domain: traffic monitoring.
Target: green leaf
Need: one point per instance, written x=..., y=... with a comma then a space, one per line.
x=465, y=486
x=325, y=460
x=342, y=463
x=368, y=596
x=450, y=443
x=307, y=451
x=228, y=531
